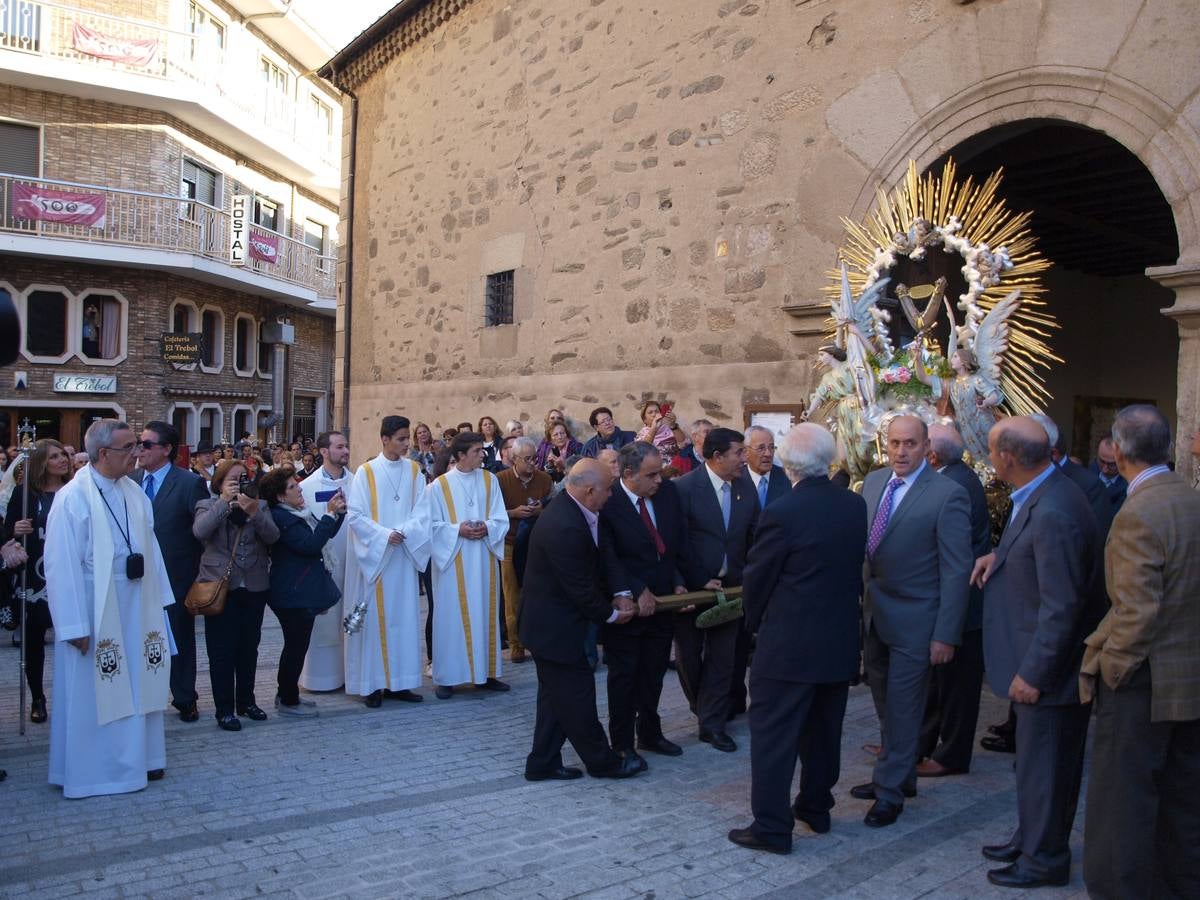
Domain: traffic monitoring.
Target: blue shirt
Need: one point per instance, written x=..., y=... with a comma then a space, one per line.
x=158, y=476
x=1020, y=495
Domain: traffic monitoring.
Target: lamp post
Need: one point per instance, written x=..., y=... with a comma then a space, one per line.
x=26, y=435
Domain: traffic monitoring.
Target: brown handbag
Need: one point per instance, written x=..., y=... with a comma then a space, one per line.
x=207, y=598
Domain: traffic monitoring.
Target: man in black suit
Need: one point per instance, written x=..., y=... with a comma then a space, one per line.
x=805, y=574
x=1087, y=481
x=562, y=593
x=952, y=708
x=1104, y=466
x=720, y=509
x=643, y=539
x=1042, y=595
x=174, y=493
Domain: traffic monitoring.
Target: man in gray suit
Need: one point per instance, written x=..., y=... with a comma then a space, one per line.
x=174, y=493
x=1043, y=593
x=917, y=578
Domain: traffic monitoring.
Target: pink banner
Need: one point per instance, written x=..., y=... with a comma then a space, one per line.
x=264, y=247
x=122, y=50
x=65, y=207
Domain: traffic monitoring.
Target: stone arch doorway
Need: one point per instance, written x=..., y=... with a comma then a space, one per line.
x=1102, y=220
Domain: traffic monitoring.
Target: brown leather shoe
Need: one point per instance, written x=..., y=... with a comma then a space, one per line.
x=518, y=656
x=931, y=768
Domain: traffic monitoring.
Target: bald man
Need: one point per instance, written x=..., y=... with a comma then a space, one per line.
x=562, y=593
x=1043, y=593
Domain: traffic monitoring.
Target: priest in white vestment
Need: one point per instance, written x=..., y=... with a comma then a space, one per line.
x=388, y=547
x=113, y=646
x=324, y=664
x=469, y=522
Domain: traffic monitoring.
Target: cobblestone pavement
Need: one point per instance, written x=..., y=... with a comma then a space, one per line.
x=429, y=801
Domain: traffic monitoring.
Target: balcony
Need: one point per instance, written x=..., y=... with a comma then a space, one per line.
x=157, y=231
x=218, y=79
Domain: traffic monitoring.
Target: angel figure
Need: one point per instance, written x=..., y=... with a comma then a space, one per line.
x=975, y=390
x=839, y=390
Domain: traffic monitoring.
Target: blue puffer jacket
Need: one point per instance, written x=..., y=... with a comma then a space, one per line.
x=299, y=579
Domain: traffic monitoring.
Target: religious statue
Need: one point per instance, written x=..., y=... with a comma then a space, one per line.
x=838, y=391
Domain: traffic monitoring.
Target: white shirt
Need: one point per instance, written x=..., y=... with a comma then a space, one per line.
x=635, y=499
x=908, y=481
x=1146, y=475
x=719, y=484
x=593, y=523
x=756, y=478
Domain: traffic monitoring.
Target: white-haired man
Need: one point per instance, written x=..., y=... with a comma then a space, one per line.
x=525, y=489
x=805, y=573
x=107, y=585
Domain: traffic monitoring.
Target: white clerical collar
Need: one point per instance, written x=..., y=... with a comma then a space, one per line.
x=391, y=462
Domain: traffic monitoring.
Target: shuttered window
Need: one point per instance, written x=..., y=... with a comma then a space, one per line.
x=20, y=149
x=198, y=183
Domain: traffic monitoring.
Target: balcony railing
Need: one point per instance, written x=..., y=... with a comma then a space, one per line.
x=151, y=221
x=113, y=43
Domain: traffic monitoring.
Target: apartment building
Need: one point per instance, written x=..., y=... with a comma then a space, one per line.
x=168, y=214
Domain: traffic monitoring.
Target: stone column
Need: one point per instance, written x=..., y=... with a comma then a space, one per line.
x=1184, y=280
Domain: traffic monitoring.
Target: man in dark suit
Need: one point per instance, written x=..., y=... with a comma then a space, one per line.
x=174, y=493
x=917, y=583
x=720, y=509
x=562, y=594
x=643, y=539
x=1042, y=595
x=1104, y=466
x=1087, y=481
x=804, y=574
x=952, y=709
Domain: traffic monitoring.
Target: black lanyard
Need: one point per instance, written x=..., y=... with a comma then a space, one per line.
x=127, y=531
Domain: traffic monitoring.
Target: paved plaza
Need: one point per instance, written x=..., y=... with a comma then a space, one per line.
x=429, y=801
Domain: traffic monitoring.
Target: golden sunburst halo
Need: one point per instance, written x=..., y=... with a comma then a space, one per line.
x=983, y=218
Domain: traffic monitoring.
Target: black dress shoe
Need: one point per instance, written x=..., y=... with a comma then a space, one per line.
x=156, y=775
x=1013, y=877
x=374, y=700
x=444, y=692
x=405, y=696
x=37, y=710
x=745, y=837
x=719, y=739
x=639, y=760
x=882, y=814
x=818, y=822
x=495, y=684
x=1005, y=853
x=626, y=768
x=229, y=723
x=562, y=773
x=189, y=714
x=998, y=744
x=253, y=713
x=661, y=746
x=867, y=792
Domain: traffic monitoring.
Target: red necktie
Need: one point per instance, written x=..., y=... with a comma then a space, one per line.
x=645, y=512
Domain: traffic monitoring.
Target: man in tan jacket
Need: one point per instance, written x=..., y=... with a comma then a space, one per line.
x=1143, y=665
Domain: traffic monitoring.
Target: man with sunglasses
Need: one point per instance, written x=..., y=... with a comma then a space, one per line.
x=174, y=492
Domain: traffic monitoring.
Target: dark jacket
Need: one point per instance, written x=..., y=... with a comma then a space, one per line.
x=802, y=584
x=619, y=439
x=174, y=511
x=1045, y=594
x=564, y=588
x=299, y=579
x=1097, y=496
x=631, y=558
x=981, y=532
x=777, y=484
x=708, y=541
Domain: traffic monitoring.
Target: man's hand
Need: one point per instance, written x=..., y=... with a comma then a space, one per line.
x=22, y=527
x=472, y=532
x=680, y=589
x=520, y=512
x=624, y=613
x=1021, y=691
x=713, y=584
x=396, y=537
x=983, y=569
x=81, y=644
x=939, y=653
x=13, y=555
x=645, y=603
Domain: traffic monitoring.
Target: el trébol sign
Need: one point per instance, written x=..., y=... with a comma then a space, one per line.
x=85, y=384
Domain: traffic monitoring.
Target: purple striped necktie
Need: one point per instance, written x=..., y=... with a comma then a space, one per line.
x=882, y=515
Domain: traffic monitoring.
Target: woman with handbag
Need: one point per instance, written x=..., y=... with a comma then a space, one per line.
x=301, y=587
x=236, y=531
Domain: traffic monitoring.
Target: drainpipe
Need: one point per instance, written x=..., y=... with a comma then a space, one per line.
x=348, y=242
x=278, y=370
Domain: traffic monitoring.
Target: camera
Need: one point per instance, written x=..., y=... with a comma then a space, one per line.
x=135, y=566
x=246, y=486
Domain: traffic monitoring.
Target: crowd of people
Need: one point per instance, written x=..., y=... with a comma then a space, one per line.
x=1084, y=605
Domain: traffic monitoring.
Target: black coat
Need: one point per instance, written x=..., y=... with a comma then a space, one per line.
x=708, y=540
x=631, y=558
x=1097, y=495
x=299, y=579
x=802, y=584
x=564, y=588
x=981, y=532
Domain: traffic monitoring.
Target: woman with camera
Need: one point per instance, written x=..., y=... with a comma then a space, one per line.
x=235, y=525
x=49, y=470
x=301, y=587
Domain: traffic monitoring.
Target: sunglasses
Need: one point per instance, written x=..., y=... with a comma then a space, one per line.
x=146, y=445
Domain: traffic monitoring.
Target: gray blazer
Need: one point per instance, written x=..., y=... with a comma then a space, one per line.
x=174, y=510
x=250, y=566
x=917, y=583
x=1045, y=593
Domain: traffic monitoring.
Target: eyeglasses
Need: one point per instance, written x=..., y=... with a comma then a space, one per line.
x=124, y=449
x=146, y=445
x=762, y=448
x=527, y=459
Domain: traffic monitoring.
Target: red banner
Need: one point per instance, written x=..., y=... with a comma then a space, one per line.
x=64, y=207
x=264, y=247
x=122, y=50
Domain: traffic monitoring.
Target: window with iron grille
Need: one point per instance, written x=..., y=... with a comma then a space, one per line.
x=498, y=300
